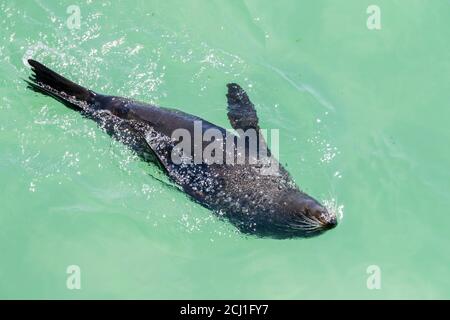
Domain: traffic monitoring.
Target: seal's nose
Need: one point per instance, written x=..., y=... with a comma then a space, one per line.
x=327, y=220
x=331, y=223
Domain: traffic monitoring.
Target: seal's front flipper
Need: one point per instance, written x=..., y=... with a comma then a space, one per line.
x=241, y=111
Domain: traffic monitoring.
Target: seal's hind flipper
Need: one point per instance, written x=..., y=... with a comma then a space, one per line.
x=50, y=83
x=241, y=111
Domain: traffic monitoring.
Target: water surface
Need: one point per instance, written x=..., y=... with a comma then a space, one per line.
x=363, y=119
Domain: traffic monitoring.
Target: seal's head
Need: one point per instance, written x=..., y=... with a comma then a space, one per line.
x=305, y=216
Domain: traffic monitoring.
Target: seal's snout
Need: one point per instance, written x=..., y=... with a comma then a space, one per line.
x=310, y=217
x=326, y=219
x=330, y=224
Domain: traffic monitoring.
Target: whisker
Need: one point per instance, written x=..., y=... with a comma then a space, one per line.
x=313, y=221
x=305, y=226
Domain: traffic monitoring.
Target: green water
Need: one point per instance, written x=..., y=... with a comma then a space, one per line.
x=363, y=119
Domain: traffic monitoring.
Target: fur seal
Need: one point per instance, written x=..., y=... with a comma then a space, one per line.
x=257, y=203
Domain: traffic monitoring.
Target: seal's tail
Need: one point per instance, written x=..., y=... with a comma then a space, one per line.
x=50, y=83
